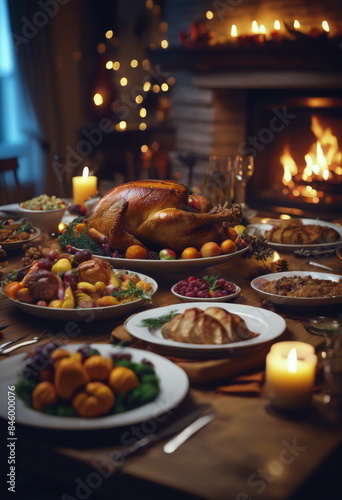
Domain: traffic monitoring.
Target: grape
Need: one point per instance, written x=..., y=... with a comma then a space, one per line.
x=203, y=287
x=183, y=283
x=53, y=255
x=71, y=278
x=105, y=247
x=218, y=294
x=86, y=352
x=45, y=264
x=176, y=288
x=83, y=255
x=192, y=278
x=181, y=292
x=195, y=290
x=202, y=295
x=190, y=294
x=224, y=292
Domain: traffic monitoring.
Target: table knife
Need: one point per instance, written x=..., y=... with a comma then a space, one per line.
x=177, y=441
x=169, y=431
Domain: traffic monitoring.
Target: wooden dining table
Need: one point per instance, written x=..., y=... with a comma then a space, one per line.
x=248, y=451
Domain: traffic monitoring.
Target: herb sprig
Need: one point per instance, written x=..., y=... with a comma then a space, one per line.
x=153, y=323
x=131, y=291
x=211, y=280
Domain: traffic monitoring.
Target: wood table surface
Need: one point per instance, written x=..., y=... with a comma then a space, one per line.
x=248, y=451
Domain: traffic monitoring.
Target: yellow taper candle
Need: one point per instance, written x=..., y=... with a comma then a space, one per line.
x=290, y=381
x=83, y=187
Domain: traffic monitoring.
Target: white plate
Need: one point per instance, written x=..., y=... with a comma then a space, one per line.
x=46, y=220
x=18, y=244
x=262, y=228
x=88, y=314
x=172, y=266
x=297, y=301
x=269, y=324
x=225, y=298
x=174, y=386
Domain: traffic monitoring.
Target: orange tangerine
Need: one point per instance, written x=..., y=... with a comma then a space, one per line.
x=190, y=253
x=210, y=249
x=228, y=246
x=136, y=252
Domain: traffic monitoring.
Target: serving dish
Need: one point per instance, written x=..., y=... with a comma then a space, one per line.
x=280, y=300
x=261, y=229
x=83, y=315
x=225, y=298
x=14, y=245
x=46, y=220
x=173, y=383
x=267, y=324
x=172, y=266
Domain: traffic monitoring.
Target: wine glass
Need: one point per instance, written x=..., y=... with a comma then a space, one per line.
x=219, y=180
x=244, y=168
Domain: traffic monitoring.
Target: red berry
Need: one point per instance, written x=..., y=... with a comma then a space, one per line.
x=218, y=294
x=202, y=295
x=190, y=294
x=183, y=283
x=192, y=278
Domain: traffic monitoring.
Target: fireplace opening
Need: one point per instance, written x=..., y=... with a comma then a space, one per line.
x=299, y=162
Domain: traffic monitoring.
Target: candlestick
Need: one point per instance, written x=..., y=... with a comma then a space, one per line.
x=290, y=379
x=83, y=187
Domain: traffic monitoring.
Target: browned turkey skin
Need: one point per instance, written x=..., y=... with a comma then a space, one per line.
x=158, y=214
x=213, y=326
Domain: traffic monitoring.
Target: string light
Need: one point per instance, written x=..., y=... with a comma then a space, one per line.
x=276, y=25
x=143, y=112
x=145, y=64
x=171, y=80
x=134, y=63
x=142, y=126
x=144, y=148
x=163, y=27
x=164, y=44
x=98, y=99
x=123, y=125
x=116, y=65
x=233, y=31
x=146, y=86
x=139, y=99
x=296, y=24
x=164, y=87
x=209, y=15
x=123, y=81
x=156, y=88
x=109, y=34
x=101, y=48
x=325, y=26
x=109, y=64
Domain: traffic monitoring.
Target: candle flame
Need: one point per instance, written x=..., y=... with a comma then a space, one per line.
x=255, y=27
x=233, y=31
x=325, y=26
x=276, y=25
x=85, y=173
x=296, y=24
x=262, y=29
x=292, y=361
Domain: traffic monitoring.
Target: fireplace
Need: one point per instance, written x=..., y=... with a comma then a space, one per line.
x=298, y=163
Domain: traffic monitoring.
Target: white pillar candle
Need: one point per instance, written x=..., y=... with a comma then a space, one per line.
x=283, y=348
x=290, y=381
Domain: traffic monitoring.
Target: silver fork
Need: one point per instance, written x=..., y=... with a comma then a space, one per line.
x=34, y=340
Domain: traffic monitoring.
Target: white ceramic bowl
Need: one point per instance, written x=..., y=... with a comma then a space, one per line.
x=46, y=220
x=225, y=298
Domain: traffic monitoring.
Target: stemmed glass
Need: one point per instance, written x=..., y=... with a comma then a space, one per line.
x=244, y=168
x=218, y=181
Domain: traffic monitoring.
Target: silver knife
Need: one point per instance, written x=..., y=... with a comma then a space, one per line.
x=183, y=436
x=22, y=344
x=170, y=430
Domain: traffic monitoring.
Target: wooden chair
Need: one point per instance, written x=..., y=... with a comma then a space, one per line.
x=9, y=165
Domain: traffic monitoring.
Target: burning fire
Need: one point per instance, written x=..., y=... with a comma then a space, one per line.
x=322, y=162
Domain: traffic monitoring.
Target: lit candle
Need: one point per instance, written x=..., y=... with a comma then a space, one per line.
x=276, y=25
x=233, y=31
x=283, y=348
x=83, y=187
x=290, y=379
x=255, y=27
x=296, y=24
x=325, y=26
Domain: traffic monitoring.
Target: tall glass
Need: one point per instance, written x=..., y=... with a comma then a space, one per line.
x=218, y=181
x=244, y=168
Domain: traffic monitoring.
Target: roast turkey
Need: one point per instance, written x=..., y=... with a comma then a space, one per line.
x=158, y=214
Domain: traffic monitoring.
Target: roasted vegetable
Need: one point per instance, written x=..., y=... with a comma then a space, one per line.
x=95, y=270
x=70, y=375
x=83, y=300
x=97, y=399
x=23, y=295
x=61, y=266
x=42, y=284
x=122, y=379
x=98, y=368
x=69, y=301
x=107, y=301
x=43, y=395
x=12, y=288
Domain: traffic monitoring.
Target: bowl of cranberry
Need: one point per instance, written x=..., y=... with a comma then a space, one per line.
x=207, y=289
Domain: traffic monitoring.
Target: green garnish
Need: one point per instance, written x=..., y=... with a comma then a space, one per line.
x=211, y=280
x=131, y=291
x=79, y=240
x=152, y=323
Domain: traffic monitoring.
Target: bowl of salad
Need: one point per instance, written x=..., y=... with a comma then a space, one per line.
x=44, y=211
